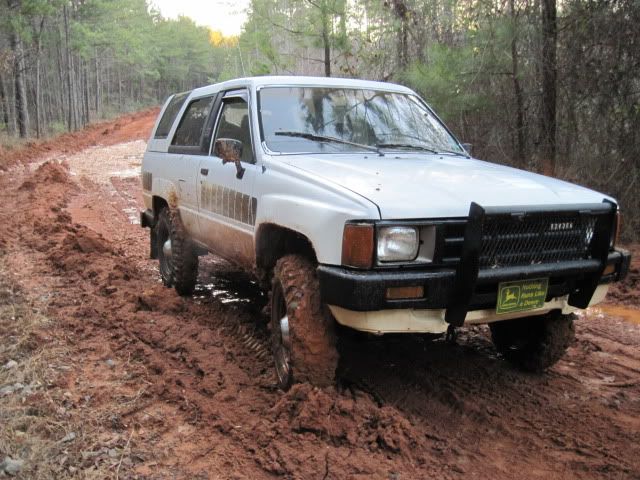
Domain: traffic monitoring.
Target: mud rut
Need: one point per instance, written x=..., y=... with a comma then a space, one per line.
x=197, y=373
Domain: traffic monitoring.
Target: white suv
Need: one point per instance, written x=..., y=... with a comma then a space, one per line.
x=352, y=202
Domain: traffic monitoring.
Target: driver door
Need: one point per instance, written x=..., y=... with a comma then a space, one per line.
x=226, y=204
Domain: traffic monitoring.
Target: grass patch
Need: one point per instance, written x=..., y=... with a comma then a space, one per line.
x=41, y=436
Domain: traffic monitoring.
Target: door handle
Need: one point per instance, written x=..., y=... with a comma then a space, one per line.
x=204, y=171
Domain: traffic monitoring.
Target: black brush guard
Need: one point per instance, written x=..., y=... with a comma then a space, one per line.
x=569, y=244
x=539, y=235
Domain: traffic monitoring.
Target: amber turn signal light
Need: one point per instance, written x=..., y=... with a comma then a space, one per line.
x=357, y=245
x=401, y=293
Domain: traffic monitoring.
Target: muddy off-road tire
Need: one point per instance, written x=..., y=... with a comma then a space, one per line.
x=535, y=343
x=302, y=328
x=180, y=268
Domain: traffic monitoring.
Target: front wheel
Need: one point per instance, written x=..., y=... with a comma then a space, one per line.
x=178, y=262
x=534, y=343
x=302, y=328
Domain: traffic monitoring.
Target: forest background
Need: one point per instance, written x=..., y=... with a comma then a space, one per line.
x=551, y=86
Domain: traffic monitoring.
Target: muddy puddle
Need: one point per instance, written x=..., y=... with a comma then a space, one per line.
x=220, y=281
x=628, y=314
x=128, y=173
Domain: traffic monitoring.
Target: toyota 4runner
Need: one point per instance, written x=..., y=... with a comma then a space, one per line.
x=353, y=203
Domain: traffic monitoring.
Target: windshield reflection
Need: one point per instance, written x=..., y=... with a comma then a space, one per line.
x=339, y=120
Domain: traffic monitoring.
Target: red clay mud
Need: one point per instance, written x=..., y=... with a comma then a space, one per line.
x=628, y=292
x=194, y=384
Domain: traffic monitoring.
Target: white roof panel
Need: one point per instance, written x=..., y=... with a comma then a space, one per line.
x=291, y=80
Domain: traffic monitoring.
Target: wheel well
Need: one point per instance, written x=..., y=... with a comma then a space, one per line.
x=274, y=241
x=157, y=204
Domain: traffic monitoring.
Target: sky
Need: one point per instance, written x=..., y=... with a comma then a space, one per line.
x=226, y=16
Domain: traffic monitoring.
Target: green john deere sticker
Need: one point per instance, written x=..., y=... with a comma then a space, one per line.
x=522, y=295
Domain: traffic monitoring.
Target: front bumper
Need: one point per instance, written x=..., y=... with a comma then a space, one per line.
x=463, y=286
x=409, y=320
x=366, y=290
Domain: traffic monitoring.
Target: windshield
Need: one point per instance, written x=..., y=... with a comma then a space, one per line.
x=339, y=120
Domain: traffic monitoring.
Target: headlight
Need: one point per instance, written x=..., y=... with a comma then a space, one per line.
x=397, y=244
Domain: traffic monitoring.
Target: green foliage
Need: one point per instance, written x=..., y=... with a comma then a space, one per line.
x=56, y=128
x=176, y=52
x=447, y=80
x=183, y=50
x=276, y=32
x=477, y=62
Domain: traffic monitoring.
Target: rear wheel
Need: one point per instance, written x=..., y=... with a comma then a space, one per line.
x=534, y=343
x=302, y=329
x=178, y=262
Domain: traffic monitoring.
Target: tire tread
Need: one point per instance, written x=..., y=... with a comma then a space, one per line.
x=314, y=355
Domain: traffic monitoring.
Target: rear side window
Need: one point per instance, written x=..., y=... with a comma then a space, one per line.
x=170, y=115
x=189, y=131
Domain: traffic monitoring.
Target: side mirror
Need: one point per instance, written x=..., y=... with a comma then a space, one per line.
x=230, y=151
x=468, y=147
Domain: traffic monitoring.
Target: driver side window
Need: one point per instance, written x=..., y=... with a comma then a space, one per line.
x=234, y=123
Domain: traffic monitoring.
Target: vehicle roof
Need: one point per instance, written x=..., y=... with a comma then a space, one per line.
x=292, y=80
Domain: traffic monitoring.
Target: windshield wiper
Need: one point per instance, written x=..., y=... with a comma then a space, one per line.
x=412, y=146
x=451, y=152
x=323, y=138
x=422, y=148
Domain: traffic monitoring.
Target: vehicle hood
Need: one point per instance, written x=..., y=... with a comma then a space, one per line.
x=427, y=186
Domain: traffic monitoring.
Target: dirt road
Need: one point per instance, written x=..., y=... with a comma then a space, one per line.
x=155, y=386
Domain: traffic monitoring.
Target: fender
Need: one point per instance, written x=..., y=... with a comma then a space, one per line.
x=317, y=209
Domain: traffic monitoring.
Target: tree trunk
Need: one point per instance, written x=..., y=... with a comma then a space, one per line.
x=85, y=92
x=107, y=78
x=549, y=77
x=120, y=102
x=22, y=111
x=77, y=91
x=72, y=122
x=38, y=99
x=97, y=87
x=4, y=99
x=60, y=100
x=517, y=89
x=326, y=41
x=38, y=107
x=401, y=11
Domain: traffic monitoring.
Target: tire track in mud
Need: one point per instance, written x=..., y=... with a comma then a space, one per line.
x=81, y=257
x=251, y=341
x=214, y=380
x=468, y=396
x=458, y=393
